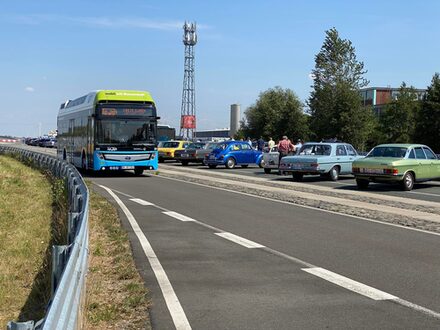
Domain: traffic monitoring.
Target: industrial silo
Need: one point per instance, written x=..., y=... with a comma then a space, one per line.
x=235, y=119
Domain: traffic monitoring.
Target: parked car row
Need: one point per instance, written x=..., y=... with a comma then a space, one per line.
x=404, y=164
x=46, y=142
x=212, y=154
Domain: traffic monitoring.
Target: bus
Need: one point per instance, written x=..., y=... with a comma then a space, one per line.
x=109, y=130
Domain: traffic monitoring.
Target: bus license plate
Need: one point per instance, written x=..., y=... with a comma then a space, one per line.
x=127, y=167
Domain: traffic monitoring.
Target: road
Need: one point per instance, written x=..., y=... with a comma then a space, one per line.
x=283, y=277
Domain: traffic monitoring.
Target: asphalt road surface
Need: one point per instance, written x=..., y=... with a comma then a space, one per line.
x=215, y=259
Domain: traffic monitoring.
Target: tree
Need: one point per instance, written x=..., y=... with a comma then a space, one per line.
x=335, y=102
x=397, y=122
x=277, y=112
x=428, y=119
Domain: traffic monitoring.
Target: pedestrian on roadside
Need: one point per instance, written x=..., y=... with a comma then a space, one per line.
x=271, y=143
x=249, y=141
x=284, y=147
x=260, y=143
x=298, y=145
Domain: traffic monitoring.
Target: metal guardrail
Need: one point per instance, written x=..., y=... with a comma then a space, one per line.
x=69, y=262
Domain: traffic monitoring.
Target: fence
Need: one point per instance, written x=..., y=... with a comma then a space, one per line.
x=69, y=262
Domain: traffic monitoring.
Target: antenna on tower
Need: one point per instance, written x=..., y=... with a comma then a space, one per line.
x=188, y=110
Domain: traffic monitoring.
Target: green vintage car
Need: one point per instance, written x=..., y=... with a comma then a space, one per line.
x=404, y=164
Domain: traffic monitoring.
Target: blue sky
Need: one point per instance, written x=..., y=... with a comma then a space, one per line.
x=57, y=50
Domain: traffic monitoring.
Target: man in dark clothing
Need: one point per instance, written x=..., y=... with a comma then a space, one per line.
x=260, y=143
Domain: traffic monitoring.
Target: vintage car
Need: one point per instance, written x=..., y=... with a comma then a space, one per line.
x=189, y=154
x=167, y=149
x=404, y=164
x=271, y=160
x=232, y=153
x=326, y=159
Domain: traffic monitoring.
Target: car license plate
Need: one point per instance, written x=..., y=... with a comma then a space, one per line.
x=296, y=166
x=184, y=155
x=373, y=170
x=211, y=157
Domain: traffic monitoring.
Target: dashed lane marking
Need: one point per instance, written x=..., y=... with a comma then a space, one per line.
x=141, y=201
x=240, y=240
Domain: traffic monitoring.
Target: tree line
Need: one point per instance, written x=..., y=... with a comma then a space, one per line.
x=335, y=109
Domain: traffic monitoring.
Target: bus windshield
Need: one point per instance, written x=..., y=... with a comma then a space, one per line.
x=124, y=132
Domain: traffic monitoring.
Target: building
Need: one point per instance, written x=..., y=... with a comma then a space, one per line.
x=378, y=97
x=213, y=135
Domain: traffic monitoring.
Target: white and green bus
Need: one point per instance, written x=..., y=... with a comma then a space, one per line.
x=109, y=130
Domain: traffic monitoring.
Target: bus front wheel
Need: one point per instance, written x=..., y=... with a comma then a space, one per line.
x=138, y=171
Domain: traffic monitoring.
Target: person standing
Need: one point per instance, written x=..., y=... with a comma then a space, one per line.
x=260, y=143
x=271, y=143
x=284, y=147
x=298, y=145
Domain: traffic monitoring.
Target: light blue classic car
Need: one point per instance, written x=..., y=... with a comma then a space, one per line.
x=320, y=158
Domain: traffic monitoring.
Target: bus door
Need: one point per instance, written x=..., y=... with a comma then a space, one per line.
x=89, y=156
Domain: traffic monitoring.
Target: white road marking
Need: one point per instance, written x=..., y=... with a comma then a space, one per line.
x=240, y=240
x=306, y=206
x=173, y=304
x=178, y=216
x=141, y=201
x=349, y=284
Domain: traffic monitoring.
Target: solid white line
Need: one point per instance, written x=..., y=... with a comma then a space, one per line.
x=349, y=284
x=178, y=216
x=173, y=304
x=141, y=201
x=240, y=240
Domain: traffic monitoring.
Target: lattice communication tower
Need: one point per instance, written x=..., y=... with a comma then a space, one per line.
x=188, y=110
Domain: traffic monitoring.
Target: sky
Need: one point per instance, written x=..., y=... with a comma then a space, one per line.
x=52, y=51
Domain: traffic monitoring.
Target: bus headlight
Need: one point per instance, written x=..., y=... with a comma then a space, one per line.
x=100, y=156
x=153, y=155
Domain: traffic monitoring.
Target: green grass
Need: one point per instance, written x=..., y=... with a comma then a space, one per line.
x=116, y=296
x=25, y=238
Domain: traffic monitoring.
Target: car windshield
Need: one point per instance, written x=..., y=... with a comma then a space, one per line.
x=394, y=152
x=195, y=146
x=211, y=146
x=315, y=149
x=170, y=144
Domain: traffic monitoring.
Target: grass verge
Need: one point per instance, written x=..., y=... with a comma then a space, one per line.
x=116, y=295
x=29, y=225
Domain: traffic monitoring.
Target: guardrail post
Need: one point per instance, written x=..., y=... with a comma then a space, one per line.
x=59, y=259
x=72, y=225
x=28, y=325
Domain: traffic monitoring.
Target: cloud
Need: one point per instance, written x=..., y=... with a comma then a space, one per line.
x=105, y=22
x=29, y=89
x=311, y=76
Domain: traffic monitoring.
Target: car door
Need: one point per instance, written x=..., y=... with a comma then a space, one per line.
x=247, y=154
x=235, y=151
x=342, y=158
x=434, y=163
x=423, y=164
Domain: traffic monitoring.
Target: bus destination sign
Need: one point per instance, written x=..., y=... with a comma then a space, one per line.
x=125, y=112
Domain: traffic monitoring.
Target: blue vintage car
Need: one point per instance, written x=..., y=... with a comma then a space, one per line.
x=325, y=159
x=232, y=153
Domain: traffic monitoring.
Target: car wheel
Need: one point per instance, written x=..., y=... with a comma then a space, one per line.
x=230, y=163
x=408, y=181
x=297, y=176
x=261, y=163
x=212, y=166
x=334, y=173
x=138, y=171
x=184, y=163
x=83, y=162
x=362, y=183
x=267, y=170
